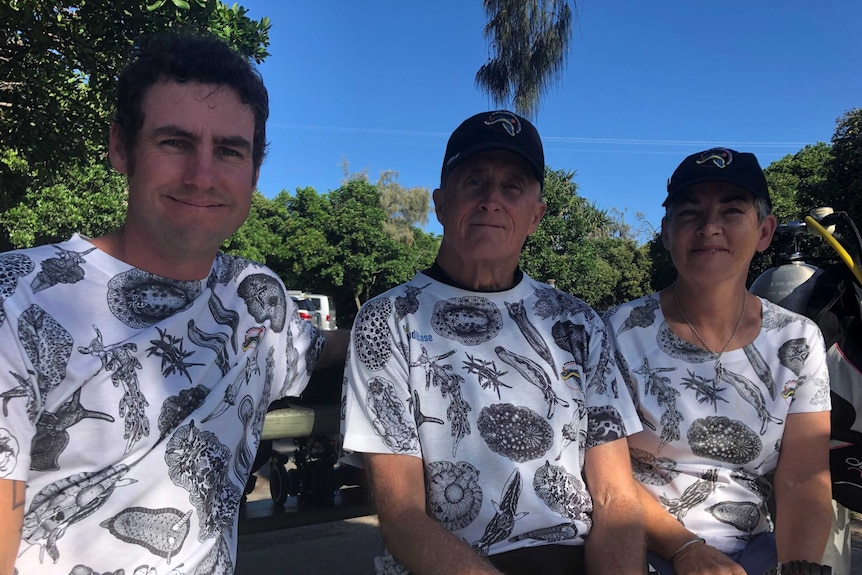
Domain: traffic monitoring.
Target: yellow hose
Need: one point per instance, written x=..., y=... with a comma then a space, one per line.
x=839, y=249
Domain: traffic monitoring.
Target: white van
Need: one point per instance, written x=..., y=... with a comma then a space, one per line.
x=324, y=305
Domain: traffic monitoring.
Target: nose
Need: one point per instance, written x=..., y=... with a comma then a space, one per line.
x=710, y=222
x=200, y=169
x=490, y=196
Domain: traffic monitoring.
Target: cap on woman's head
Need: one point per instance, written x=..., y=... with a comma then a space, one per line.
x=719, y=165
x=498, y=130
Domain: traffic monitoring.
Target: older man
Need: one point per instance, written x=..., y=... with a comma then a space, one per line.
x=485, y=403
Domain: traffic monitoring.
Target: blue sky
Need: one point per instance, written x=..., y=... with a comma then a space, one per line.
x=383, y=83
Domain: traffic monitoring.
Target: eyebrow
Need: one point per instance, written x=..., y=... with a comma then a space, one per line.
x=725, y=199
x=229, y=141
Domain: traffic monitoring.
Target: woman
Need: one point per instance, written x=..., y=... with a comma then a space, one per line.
x=733, y=391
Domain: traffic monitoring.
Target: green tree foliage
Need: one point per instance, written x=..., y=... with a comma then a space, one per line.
x=580, y=248
x=405, y=208
x=796, y=181
x=844, y=180
x=529, y=43
x=90, y=200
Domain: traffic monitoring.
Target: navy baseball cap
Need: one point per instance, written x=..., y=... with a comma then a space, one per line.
x=497, y=130
x=723, y=165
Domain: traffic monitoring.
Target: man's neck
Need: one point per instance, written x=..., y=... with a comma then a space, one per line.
x=474, y=280
x=119, y=245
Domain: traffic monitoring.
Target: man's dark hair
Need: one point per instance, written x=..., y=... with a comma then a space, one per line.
x=187, y=57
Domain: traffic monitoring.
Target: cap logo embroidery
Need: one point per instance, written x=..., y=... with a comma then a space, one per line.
x=509, y=122
x=720, y=157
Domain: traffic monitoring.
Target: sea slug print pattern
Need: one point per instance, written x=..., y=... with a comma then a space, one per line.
x=723, y=439
x=443, y=376
x=140, y=299
x=678, y=348
x=58, y=506
x=48, y=346
x=177, y=407
x=218, y=562
x=517, y=433
x=66, y=268
x=265, y=300
x=25, y=389
x=470, y=320
x=371, y=334
x=604, y=425
x=160, y=531
x=751, y=394
x=532, y=372
x=170, y=349
x=12, y=267
x=793, y=353
x=390, y=418
x=744, y=515
x=51, y=436
x=650, y=469
x=486, y=372
x=415, y=406
x=409, y=302
x=659, y=386
x=562, y=492
x=454, y=494
x=553, y=534
x=694, y=495
x=9, y=450
x=224, y=316
x=501, y=525
x=198, y=462
x=119, y=359
x=217, y=342
x=313, y=351
x=753, y=482
x=573, y=338
x=553, y=303
x=641, y=316
x=531, y=334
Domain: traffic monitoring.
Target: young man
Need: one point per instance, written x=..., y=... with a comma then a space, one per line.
x=730, y=388
x=140, y=364
x=484, y=402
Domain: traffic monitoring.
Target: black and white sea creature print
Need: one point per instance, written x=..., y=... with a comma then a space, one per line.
x=12, y=267
x=119, y=359
x=517, y=433
x=651, y=470
x=751, y=394
x=48, y=347
x=677, y=348
x=177, y=407
x=52, y=435
x=641, y=316
x=575, y=431
x=659, y=386
x=199, y=463
x=216, y=342
x=24, y=389
x=169, y=348
x=562, y=492
x=264, y=299
x=793, y=354
x=218, y=561
x=161, y=531
x=706, y=389
x=409, y=302
x=774, y=318
x=743, y=515
x=469, y=320
x=555, y=534
x=371, y=338
x=553, y=303
x=821, y=397
x=224, y=316
x=390, y=419
x=486, y=372
x=770, y=461
x=9, y=450
x=694, y=495
x=454, y=494
x=312, y=354
x=723, y=439
x=506, y=514
x=598, y=377
x=604, y=424
x=59, y=505
x=519, y=315
x=443, y=375
x=227, y=269
x=415, y=406
x=573, y=338
x=65, y=268
x=534, y=374
x=244, y=457
x=140, y=299
x=761, y=368
x=754, y=482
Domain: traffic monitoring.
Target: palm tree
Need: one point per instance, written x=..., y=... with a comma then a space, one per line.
x=529, y=42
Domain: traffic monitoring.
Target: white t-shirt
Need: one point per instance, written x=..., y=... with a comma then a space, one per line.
x=133, y=405
x=710, y=439
x=499, y=394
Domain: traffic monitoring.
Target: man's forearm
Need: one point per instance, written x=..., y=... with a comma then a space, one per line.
x=803, y=523
x=617, y=527
x=12, y=495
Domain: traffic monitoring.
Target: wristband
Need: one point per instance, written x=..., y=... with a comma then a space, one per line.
x=685, y=546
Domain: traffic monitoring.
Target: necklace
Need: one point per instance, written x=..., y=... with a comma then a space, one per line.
x=700, y=339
